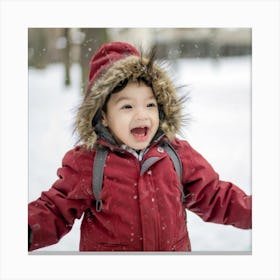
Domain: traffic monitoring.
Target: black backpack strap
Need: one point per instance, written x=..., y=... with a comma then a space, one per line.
x=176, y=162
x=97, y=175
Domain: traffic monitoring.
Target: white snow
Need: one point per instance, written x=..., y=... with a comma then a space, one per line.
x=220, y=130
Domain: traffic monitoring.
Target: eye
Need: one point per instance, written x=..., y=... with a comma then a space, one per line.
x=151, y=105
x=126, y=107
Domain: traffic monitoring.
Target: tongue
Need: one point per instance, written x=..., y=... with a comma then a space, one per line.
x=139, y=131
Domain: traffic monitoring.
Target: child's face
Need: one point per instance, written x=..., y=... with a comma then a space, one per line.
x=132, y=115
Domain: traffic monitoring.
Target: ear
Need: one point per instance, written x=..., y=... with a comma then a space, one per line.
x=104, y=119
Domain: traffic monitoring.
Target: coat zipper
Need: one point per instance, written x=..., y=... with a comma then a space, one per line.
x=155, y=201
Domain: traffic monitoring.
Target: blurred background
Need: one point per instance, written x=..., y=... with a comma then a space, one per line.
x=214, y=63
x=77, y=45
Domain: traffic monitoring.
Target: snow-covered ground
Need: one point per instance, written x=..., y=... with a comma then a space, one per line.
x=220, y=129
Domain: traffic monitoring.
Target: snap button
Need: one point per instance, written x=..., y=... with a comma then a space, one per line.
x=160, y=150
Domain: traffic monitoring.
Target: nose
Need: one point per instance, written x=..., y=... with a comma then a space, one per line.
x=141, y=114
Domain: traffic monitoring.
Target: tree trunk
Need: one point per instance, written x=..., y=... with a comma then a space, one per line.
x=67, y=62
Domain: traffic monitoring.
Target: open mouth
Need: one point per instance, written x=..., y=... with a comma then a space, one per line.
x=140, y=133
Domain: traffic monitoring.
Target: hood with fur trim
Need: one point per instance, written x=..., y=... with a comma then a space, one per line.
x=130, y=67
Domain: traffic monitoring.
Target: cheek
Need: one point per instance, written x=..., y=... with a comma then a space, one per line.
x=119, y=129
x=156, y=118
x=117, y=122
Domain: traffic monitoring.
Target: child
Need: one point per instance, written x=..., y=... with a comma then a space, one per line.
x=130, y=176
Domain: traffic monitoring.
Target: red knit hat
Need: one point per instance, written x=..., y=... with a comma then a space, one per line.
x=107, y=55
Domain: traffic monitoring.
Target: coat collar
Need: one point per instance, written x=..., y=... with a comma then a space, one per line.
x=106, y=139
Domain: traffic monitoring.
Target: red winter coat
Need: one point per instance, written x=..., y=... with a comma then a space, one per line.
x=141, y=212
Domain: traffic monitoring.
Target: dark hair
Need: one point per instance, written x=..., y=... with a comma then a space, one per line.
x=120, y=86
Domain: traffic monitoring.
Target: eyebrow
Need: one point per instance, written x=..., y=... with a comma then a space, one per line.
x=125, y=98
x=122, y=98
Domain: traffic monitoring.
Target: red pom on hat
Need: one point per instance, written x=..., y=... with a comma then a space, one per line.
x=107, y=54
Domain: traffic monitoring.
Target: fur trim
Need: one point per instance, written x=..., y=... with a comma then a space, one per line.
x=132, y=68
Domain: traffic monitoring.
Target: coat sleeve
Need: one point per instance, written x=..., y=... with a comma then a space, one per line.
x=52, y=215
x=209, y=197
